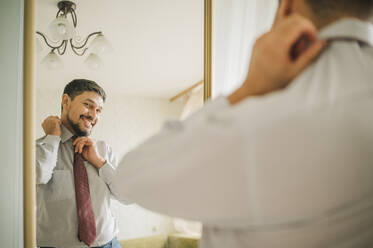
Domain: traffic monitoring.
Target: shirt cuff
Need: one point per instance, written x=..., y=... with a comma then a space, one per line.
x=52, y=140
x=106, y=172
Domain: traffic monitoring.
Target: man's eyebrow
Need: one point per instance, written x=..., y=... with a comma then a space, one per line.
x=91, y=101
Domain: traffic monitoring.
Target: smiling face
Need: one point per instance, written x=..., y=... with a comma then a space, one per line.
x=82, y=113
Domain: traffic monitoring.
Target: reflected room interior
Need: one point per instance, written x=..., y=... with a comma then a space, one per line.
x=149, y=57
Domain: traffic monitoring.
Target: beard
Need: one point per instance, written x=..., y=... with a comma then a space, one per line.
x=75, y=126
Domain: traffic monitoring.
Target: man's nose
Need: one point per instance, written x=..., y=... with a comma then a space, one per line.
x=92, y=114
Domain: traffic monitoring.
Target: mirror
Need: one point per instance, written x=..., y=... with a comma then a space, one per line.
x=232, y=53
x=157, y=68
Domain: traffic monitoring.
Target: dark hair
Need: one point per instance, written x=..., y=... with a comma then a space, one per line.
x=327, y=9
x=79, y=86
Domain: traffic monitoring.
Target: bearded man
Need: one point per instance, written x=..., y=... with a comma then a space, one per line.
x=73, y=174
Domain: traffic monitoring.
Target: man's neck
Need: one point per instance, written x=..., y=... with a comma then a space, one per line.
x=320, y=24
x=66, y=124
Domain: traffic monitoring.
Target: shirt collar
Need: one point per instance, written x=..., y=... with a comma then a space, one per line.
x=66, y=134
x=349, y=29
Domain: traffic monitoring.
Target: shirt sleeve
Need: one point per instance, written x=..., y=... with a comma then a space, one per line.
x=46, y=157
x=192, y=169
x=107, y=172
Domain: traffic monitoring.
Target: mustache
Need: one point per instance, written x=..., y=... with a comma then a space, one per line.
x=87, y=117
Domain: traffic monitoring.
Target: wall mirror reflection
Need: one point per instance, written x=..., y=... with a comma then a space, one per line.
x=148, y=56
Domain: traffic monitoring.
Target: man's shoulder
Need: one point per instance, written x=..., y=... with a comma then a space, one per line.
x=337, y=72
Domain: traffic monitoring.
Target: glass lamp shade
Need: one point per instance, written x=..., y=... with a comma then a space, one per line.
x=52, y=61
x=100, y=45
x=61, y=29
x=93, y=62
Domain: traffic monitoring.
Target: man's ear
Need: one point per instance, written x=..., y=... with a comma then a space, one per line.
x=66, y=100
x=285, y=8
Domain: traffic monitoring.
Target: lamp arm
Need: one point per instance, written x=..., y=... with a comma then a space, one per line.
x=85, y=42
x=75, y=49
x=64, y=49
x=74, y=17
x=58, y=13
x=46, y=41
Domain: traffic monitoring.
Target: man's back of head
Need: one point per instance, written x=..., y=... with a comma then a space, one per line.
x=324, y=12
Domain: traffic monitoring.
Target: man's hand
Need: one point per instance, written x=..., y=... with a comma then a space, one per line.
x=87, y=148
x=279, y=56
x=52, y=126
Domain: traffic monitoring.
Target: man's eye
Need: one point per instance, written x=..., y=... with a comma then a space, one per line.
x=86, y=104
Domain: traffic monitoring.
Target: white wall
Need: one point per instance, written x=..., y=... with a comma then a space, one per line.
x=11, y=40
x=126, y=121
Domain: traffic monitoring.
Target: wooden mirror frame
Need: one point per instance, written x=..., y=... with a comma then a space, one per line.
x=29, y=191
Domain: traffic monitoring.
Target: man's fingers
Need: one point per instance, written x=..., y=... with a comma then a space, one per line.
x=309, y=55
x=77, y=147
x=76, y=143
x=80, y=143
x=77, y=140
x=89, y=142
x=295, y=27
x=81, y=147
x=53, y=117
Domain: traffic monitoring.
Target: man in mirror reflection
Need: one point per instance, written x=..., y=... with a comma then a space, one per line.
x=73, y=174
x=286, y=160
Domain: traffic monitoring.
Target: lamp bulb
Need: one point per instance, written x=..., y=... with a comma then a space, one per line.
x=61, y=29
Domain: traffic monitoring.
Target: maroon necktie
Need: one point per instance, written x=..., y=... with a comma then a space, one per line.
x=87, y=223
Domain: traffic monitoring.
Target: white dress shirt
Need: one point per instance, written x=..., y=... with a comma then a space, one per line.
x=57, y=214
x=290, y=169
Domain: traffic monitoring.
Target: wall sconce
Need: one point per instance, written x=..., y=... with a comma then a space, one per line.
x=63, y=33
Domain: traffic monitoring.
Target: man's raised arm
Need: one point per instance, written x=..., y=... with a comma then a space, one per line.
x=47, y=149
x=196, y=168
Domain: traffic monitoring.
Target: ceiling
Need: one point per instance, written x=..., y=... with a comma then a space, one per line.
x=157, y=45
